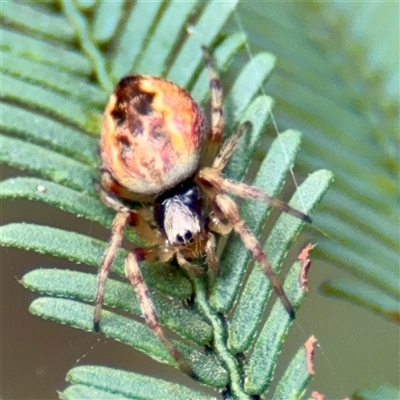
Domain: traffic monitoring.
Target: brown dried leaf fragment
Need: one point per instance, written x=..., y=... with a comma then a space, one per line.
x=310, y=354
x=304, y=258
x=317, y=396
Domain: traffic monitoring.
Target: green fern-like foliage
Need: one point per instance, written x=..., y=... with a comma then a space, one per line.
x=337, y=79
x=60, y=61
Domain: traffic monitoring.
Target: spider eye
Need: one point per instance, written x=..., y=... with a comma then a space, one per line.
x=189, y=236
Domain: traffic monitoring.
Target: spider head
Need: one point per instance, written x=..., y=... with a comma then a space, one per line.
x=178, y=213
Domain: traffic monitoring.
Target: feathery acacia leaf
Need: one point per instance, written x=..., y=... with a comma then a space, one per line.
x=130, y=384
x=43, y=110
x=342, y=91
x=81, y=286
x=260, y=365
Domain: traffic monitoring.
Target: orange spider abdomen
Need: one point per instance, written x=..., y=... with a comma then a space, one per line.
x=152, y=137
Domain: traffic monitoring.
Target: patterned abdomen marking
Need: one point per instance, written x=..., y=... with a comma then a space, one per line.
x=152, y=136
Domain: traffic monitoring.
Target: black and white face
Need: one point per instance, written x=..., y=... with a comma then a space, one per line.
x=178, y=213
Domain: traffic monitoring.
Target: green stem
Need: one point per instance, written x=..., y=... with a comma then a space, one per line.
x=230, y=362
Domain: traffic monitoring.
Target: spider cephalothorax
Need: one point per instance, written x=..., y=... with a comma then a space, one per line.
x=156, y=152
x=179, y=213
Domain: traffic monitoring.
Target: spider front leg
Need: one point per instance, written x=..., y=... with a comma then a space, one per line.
x=231, y=212
x=118, y=227
x=214, y=178
x=134, y=274
x=123, y=217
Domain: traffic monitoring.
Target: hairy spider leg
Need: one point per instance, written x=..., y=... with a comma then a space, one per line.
x=230, y=210
x=118, y=227
x=240, y=189
x=123, y=217
x=211, y=256
x=134, y=274
x=229, y=146
x=217, y=112
x=214, y=176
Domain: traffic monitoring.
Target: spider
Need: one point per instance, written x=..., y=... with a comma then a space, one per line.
x=161, y=171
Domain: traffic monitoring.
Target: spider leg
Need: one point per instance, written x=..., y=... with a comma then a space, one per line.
x=150, y=235
x=229, y=147
x=190, y=268
x=218, y=224
x=211, y=256
x=231, y=212
x=134, y=274
x=121, y=219
x=111, y=201
x=217, y=113
x=247, y=191
x=136, y=219
x=118, y=227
